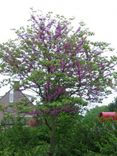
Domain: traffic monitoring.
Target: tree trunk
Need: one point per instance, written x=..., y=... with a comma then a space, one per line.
x=52, y=138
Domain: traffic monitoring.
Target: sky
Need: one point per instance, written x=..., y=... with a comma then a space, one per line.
x=99, y=16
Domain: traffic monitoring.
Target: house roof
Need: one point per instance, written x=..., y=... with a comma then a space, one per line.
x=17, y=96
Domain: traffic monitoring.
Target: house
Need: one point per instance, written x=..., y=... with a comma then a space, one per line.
x=7, y=102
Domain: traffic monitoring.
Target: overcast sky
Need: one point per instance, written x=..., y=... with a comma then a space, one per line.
x=99, y=15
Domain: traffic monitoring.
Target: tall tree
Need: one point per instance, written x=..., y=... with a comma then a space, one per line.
x=59, y=63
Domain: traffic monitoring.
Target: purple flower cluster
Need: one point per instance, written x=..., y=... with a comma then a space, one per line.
x=53, y=93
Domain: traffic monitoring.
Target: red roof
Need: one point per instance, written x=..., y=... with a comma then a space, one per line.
x=108, y=115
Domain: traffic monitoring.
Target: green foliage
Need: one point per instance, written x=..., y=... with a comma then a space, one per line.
x=20, y=140
x=113, y=106
x=75, y=136
x=92, y=115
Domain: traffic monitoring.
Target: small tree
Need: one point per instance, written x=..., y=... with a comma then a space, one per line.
x=113, y=105
x=59, y=63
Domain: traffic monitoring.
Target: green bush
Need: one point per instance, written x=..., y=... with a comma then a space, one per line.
x=75, y=136
x=113, y=106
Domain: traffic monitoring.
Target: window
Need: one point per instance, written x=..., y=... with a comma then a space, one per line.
x=11, y=96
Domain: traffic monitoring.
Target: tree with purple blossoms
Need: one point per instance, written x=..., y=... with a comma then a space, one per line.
x=60, y=64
